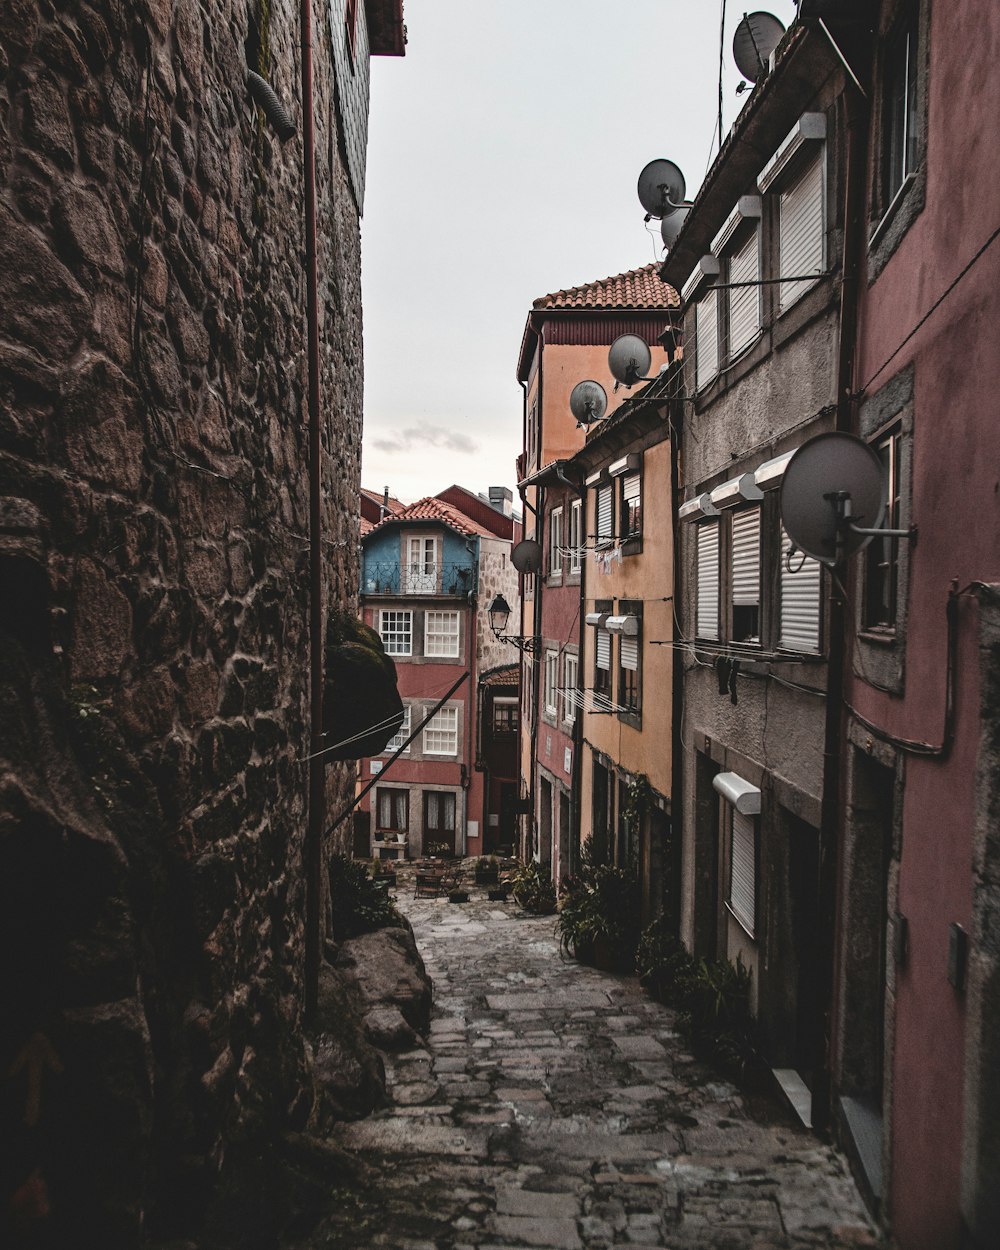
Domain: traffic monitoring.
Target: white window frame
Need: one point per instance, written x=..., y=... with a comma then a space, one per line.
x=576, y=536
x=551, y=682
x=441, y=733
x=571, y=684
x=555, y=542
x=421, y=569
x=449, y=640
x=396, y=641
x=400, y=736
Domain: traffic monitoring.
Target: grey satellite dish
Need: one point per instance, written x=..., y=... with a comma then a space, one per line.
x=670, y=227
x=755, y=39
x=661, y=188
x=588, y=401
x=832, y=490
x=629, y=359
x=526, y=556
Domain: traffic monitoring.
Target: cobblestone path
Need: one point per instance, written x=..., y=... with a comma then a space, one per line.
x=554, y=1106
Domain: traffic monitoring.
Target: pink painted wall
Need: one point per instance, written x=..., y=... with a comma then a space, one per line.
x=956, y=505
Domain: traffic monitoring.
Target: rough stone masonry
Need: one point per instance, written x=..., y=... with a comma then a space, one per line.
x=154, y=595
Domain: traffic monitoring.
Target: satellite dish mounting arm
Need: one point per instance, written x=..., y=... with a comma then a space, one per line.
x=841, y=500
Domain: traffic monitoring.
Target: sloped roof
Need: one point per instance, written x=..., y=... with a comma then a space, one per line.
x=432, y=509
x=638, y=288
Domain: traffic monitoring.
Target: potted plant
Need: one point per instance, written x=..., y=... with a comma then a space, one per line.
x=458, y=896
x=498, y=893
x=533, y=890
x=599, y=918
x=487, y=870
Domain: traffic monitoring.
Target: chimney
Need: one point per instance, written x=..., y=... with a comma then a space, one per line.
x=385, y=504
x=502, y=499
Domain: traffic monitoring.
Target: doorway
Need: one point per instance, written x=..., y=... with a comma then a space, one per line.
x=439, y=821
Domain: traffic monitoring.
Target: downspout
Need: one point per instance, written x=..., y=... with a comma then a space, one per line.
x=313, y=847
x=673, y=905
x=576, y=777
x=470, y=662
x=536, y=629
x=856, y=159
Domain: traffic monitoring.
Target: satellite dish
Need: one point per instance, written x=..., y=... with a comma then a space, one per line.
x=832, y=481
x=754, y=40
x=661, y=188
x=588, y=401
x=526, y=556
x=629, y=359
x=670, y=227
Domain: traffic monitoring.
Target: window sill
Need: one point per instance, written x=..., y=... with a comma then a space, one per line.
x=879, y=637
x=632, y=546
x=632, y=719
x=751, y=933
x=890, y=213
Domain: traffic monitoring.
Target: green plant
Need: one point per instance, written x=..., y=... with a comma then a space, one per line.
x=359, y=904
x=438, y=848
x=599, y=916
x=533, y=890
x=662, y=962
x=716, y=1017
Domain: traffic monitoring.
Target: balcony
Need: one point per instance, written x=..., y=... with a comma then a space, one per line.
x=448, y=578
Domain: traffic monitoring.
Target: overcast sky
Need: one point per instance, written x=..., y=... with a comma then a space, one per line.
x=503, y=154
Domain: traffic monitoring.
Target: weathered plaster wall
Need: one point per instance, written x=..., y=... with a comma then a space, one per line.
x=153, y=576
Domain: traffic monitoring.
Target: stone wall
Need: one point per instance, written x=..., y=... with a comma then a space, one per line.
x=154, y=589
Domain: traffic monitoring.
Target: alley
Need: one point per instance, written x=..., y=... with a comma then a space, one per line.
x=554, y=1106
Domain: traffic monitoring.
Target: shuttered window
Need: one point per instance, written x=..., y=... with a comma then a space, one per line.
x=603, y=649
x=800, y=600
x=706, y=326
x=631, y=506
x=744, y=301
x=742, y=871
x=746, y=575
x=605, y=514
x=708, y=580
x=800, y=231
x=629, y=652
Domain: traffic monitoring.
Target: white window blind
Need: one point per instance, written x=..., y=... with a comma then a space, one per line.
x=630, y=487
x=603, y=649
x=708, y=580
x=441, y=733
x=441, y=634
x=605, y=514
x=400, y=736
x=575, y=536
x=629, y=651
x=743, y=876
x=570, y=681
x=800, y=600
x=706, y=338
x=800, y=231
x=746, y=556
x=744, y=301
x=555, y=540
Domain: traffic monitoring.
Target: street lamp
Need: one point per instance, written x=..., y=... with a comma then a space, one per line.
x=499, y=614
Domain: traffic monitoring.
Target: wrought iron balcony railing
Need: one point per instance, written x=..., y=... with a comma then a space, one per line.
x=442, y=578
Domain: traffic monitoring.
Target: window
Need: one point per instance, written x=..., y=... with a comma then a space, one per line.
x=531, y=435
x=744, y=301
x=351, y=26
x=800, y=232
x=743, y=870
x=602, y=656
x=746, y=576
x=439, y=819
x=900, y=123
x=605, y=515
x=882, y=555
x=441, y=634
x=631, y=506
x=551, y=682
x=504, y=715
x=706, y=329
x=555, y=541
x=576, y=536
x=708, y=580
x=422, y=568
x=392, y=809
x=571, y=672
x=628, y=662
x=396, y=631
x=441, y=733
x=400, y=736
x=800, y=599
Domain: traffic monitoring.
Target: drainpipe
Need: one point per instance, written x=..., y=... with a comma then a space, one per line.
x=830, y=823
x=471, y=700
x=313, y=847
x=576, y=777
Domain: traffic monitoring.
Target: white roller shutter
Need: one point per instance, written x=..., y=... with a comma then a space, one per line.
x=630, y=487
x=800, y=600
x=605, y=515
x=706, y=338
x=603, y=649
x=743, y=876
x=629, y=650
x=800, y=231
x=708, y=580
x=744, y=302
x=746, y=556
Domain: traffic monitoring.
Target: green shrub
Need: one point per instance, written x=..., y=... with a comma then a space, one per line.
x=663, y=963
x=359, y=904
x=533, y=889
x=715, y=1015
x=599, y=916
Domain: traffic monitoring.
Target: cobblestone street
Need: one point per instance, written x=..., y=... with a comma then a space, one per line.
x=554, y=1106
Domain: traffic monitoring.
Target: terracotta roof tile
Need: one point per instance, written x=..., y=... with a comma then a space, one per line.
x=638, y=288
x=431, y=509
